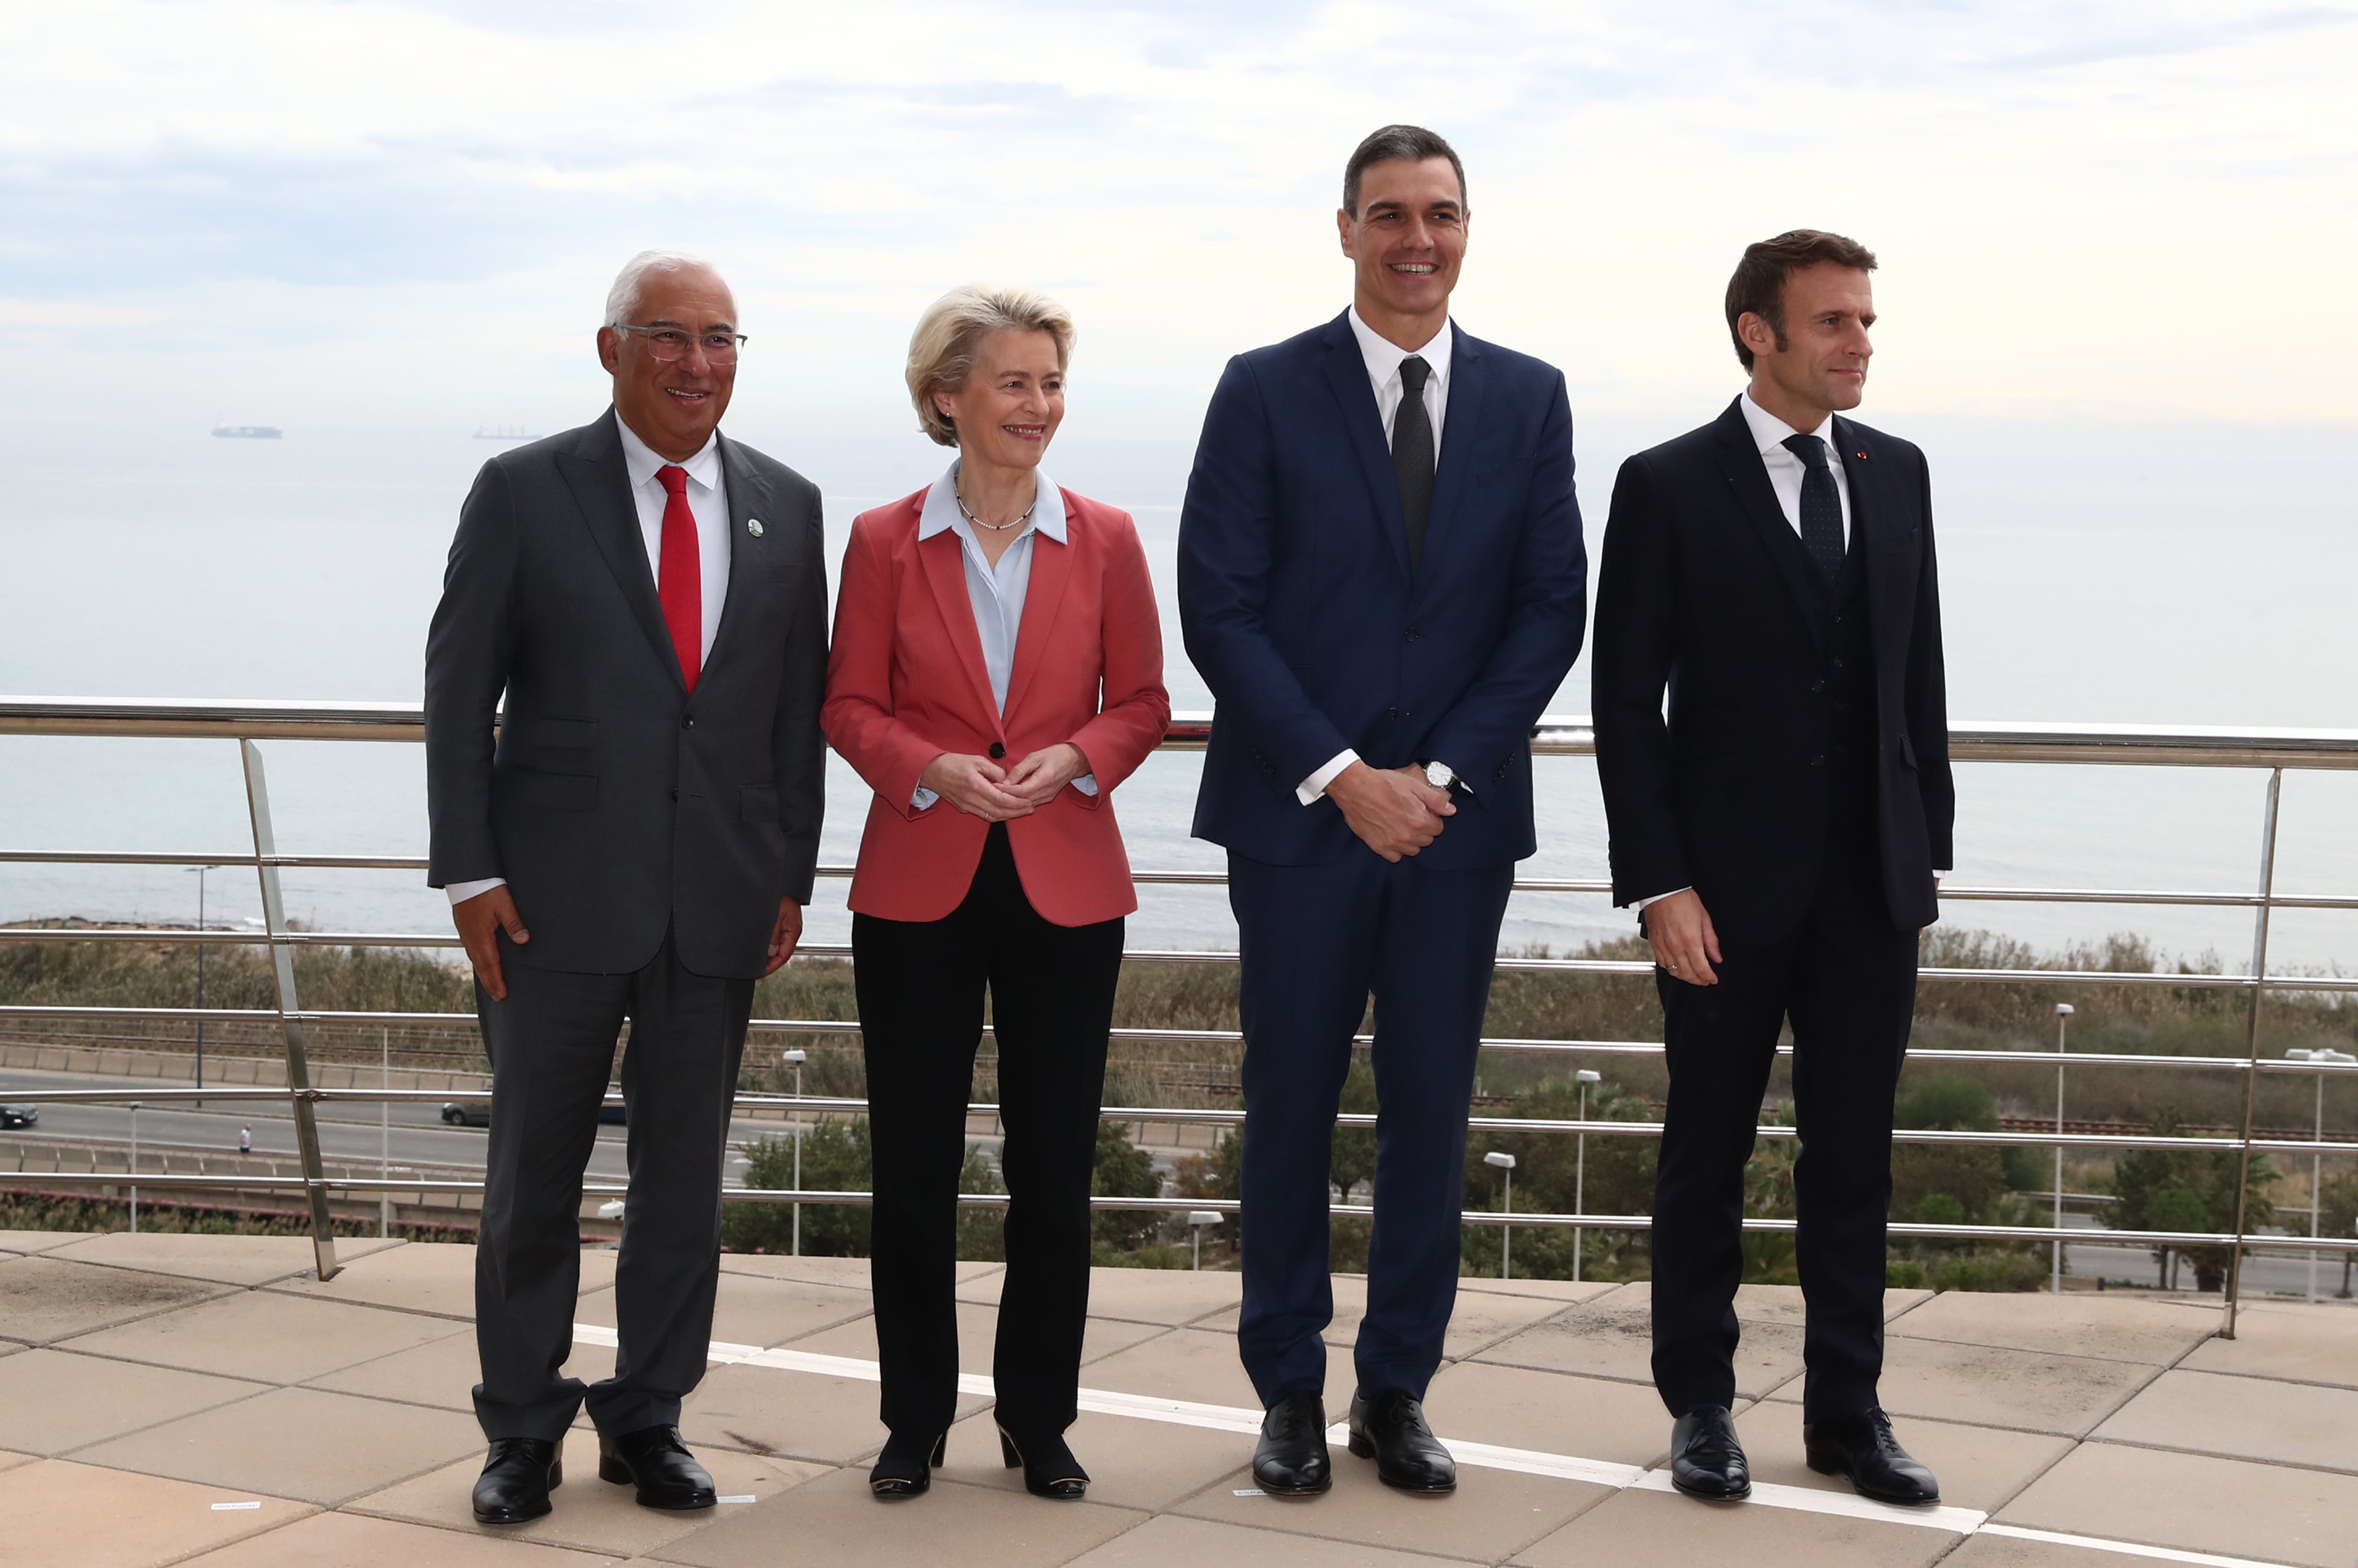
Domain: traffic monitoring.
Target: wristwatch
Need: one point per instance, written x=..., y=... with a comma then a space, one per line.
x=1442, y=777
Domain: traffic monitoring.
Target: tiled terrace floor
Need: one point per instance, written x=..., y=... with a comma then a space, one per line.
x=194, y=1398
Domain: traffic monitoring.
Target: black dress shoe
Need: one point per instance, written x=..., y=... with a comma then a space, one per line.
x=1290, y=1459
x=1390, y=1429
x=1049, y=1468
x=654, y=1460
x=516, y=1480
x=1862, y=1448
x=1706, y=1460
x=903, y=1470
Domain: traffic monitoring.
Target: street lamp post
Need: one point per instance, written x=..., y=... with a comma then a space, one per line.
x=2324, y=1057
x=1197, y=1218
x=1585, y=1077
x=2063, y=1022
x=795, y=1059
x=1505, y=1162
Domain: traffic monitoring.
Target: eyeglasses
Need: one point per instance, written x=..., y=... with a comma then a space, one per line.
x=671, y=343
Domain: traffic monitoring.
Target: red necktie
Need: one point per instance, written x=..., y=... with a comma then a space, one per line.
x=680, y=583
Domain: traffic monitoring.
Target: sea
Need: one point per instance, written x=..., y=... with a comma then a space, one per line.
x=2094, y=569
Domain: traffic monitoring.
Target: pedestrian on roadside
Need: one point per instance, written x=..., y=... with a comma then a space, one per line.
x=245, y=1139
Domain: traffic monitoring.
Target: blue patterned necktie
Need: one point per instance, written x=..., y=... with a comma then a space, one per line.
x=1822, y=519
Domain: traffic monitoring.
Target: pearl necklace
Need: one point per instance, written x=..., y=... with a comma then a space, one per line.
x=994, y=527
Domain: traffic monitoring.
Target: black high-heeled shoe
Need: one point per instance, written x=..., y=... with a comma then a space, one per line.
x=1049, y=1470
x=903, y=1470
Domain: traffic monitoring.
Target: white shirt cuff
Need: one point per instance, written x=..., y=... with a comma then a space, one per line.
x=461, y=892
x=1644, y=904
x=1308, y=791
x=1086, y=784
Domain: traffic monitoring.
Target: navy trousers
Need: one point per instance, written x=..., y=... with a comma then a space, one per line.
x=1317, y=941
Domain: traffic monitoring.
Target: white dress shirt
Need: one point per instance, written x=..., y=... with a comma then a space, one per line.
x=1383, y=359
x=1786, y=472
x=996, y=592
x=707, y=499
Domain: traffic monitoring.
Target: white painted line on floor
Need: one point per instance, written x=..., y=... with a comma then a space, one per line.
x=1481, y=1455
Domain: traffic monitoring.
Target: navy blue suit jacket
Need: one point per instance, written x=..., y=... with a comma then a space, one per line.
x=1300, y=610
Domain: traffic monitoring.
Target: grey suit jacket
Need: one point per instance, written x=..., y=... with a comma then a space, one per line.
x=616, y=804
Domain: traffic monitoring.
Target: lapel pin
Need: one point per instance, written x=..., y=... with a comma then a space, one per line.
x=1862, y=457
x=753, y=526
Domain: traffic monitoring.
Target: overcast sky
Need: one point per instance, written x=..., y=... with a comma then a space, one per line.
x=407, y=214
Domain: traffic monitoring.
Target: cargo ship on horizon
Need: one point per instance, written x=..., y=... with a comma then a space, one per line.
x=247, y=432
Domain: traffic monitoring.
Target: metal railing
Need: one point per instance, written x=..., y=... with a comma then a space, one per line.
x=2271, y=751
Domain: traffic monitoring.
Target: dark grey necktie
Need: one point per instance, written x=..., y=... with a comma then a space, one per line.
x=1821, y=520
x=1412, y=454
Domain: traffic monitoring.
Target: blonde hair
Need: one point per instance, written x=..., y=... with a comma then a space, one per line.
x=950, y=335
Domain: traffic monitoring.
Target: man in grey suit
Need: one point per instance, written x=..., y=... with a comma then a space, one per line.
x=651, y=600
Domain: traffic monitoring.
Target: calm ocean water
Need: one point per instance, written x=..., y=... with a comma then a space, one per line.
x=2092, y=571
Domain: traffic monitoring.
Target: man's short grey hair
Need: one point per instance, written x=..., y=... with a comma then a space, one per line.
x=630, y=283
x=950, y=335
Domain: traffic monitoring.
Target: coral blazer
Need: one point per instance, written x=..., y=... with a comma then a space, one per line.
x=907, y=682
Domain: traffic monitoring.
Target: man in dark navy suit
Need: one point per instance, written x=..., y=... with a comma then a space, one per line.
x=1381, y=578
x=1781, y=829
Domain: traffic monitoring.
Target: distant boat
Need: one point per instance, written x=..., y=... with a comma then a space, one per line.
x=505, y=434
x=247, y=432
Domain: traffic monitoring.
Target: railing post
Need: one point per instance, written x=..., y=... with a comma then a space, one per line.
x=2252, y=1071
x=298, y=1068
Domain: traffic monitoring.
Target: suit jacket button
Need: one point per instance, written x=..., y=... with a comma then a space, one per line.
x=1392, y=713
x=1817, y=685
x=1838, y=664
x=675, y=794
x=1413, y=635
x=687, y=722
x=1818, y=760
x=997, y=751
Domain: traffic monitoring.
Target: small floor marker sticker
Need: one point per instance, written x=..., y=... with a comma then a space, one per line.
x=234, y=1508
x=739, y=1497
x=1250, y=1492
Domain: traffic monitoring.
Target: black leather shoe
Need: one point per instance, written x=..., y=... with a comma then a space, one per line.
x=1390, y=1429
x=1706, y=1460
x=903, y=1470
x=1049, y=1468
x=516, y=1480
x=1290, y=1459
x=654, y=1460
x=1862, y=1448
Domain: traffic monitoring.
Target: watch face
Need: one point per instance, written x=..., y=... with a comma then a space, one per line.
x=1438, y=776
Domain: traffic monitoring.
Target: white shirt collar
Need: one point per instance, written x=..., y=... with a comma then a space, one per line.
x=941, y=509
x=1769, y=433
x=1384, y=356
x=643, y=461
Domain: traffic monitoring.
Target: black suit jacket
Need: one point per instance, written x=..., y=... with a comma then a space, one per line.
x=1705, y=589
x=616, y=804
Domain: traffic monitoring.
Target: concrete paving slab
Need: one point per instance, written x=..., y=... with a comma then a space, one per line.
x=2024, y=1389
x=53, y=1403
x=428, y=1276
x=1171, y=1542
x=1563, y=1291
x=349, y=1540
x=59, y=1512
x=2242, y=1418
x=2300, y=1344
x=1978, y=1466
x=1636, y=1527
x=1613, y=1336
x=2107, y=1325
x=754, y=1310
x=2004, y=1551
x=40, y=1240
x=2195, y=1503
x=1481, y=1318
x=228, y=1259
x=1131, y=1464
x=10, y=1461
x=267, y=1336
x=44, y=1300
x=978, y=1336
x=1202, y=1366
x=1492, y=1514
x=1554, y=1412
x=1168, y=1296
x=297, y=1443
x=443, y=1372
x=836, y=1520
x=845, y=1274
x=590, y=1515
x=790, y=1415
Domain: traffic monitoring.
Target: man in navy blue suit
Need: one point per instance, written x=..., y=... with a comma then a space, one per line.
x=1381, y=578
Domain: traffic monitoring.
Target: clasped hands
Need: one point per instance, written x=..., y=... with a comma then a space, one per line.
x=980, y=787
x=1393, y=810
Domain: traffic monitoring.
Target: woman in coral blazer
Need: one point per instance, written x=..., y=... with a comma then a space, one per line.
x=997, y=671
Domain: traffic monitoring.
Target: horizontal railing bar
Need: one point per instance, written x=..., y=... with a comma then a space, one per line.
x=1553, y=735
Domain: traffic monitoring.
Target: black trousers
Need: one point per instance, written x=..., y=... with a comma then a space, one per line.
x=1317, y=942
x=921, y=987
x=1846, y=977
x=552, y=1046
